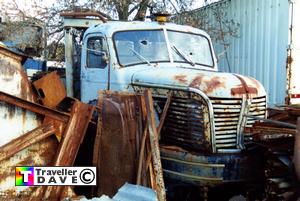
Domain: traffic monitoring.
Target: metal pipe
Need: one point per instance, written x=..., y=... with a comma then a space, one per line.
x=273, y=121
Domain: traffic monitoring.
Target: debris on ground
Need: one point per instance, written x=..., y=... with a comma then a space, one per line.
x=277, y=135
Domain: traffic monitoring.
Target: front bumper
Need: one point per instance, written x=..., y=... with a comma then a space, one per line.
x=211, y=169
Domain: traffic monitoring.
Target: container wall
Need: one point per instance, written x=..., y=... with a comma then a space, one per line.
x=258, y=47
x=294, y=89
x=14, y=122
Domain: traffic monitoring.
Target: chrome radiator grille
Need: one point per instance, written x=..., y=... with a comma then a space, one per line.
x=226, y=119
x=184, y=123
x=257, y=109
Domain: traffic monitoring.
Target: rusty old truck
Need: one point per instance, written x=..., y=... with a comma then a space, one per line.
x=206, y=138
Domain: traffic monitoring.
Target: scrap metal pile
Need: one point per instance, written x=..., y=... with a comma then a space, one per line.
x=277, y=135
x=42, y=127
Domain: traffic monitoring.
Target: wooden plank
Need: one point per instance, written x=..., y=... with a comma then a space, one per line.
x=161, y=193
x=164, y=114
x=141, y=157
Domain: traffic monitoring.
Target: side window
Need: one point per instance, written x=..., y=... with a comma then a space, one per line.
x=96, y=53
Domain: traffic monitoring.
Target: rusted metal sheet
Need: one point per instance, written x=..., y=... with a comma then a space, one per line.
x=39, y=154
x=50, y=89
x=36, y=148
x=122, y=143
x=280, y=124
x=59, y=126
x=26, y=140
x=13, y=80
x=14, y=122
x=81, y=115
x=83, y=15
x=33, y=107
x=118, y=141
x=268, y=133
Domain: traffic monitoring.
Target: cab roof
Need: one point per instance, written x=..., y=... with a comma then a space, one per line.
x=110, y=27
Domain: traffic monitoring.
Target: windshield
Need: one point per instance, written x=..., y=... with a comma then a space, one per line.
x=190, y=48
x=141, y=47
x=149, y=46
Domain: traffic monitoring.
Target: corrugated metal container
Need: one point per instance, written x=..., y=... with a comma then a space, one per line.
x=262, y=39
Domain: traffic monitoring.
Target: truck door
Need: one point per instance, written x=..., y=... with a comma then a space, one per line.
x=94, y=73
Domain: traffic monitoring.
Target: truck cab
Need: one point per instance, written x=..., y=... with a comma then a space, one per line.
x=206, y=130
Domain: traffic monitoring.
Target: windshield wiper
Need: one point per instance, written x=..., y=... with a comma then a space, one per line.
x=140, y=56
x=182, y=55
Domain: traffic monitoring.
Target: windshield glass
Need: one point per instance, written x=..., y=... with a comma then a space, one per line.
x=149, y=46
x=141, y=46
x=191, y=48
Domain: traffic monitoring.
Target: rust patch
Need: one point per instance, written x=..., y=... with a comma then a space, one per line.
x=211, y=84
x=214, y=84
x=8, y=53
x=255, y=82
x=243, y=88
x=181, y=78
x=197, y=81
x=289, y=59
x=7, y=69
x=10, y=68
x=11, y=111
x=240, y=89
x=24, y=117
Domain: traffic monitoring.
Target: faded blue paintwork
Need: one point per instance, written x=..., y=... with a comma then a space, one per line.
x=209, y=170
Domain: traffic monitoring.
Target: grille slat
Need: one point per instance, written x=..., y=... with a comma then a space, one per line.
x=226, y=117
x=225, y=136
x=183, y=127
x=223, y=132
x=184, y=123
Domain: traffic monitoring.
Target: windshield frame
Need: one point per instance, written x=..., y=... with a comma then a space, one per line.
x=197, y=34
x=169, y=49
x=142, y=62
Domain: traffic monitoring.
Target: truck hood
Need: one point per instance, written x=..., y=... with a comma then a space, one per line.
x=212, y=83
